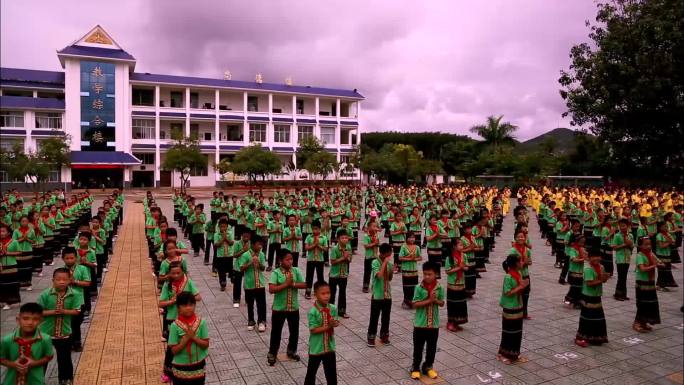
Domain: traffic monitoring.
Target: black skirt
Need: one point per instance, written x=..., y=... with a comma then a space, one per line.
x=37, y=260
x=592, y=323
x=665, y=278
x=470, y=281
x=25, y=267
x=511, y=333
x=648, y=310
x=457, y=305
x=191, y=374
x=9, y=285
x=576, y=280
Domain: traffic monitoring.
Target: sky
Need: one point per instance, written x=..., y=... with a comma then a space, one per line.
x=422, y=66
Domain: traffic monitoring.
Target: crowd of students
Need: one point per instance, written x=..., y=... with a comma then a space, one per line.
x=33, y=233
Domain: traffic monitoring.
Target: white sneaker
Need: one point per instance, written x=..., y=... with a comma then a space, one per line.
x=30, y=288
x=236, y=305
x=105, y=270
x=6, y=307
x=40, y=274
x=262, y=327
x=250, y=327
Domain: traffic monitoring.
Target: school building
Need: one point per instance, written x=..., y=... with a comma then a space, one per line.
x=120, y=121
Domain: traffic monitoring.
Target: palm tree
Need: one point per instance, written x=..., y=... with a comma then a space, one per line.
x=495, y=133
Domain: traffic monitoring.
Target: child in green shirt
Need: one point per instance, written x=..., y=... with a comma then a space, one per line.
x=381, y=297
x=292, y=238
x=622, y=244
x=428, y=297
x=223, y=259
x=80, y=281
x=592, y=322
x=252, y=265
x=9, y=275
x=323, y=320
x=648, y=310
x=457, y=303
x=340, y=259
x=316, y=246
x=409, y=255
x=196, y=222
x=26, y=350
x=512, y=316
x=371, y=241
x=188, y=342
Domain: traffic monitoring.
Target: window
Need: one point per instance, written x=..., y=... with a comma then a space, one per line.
x=257, y=132
x=281, y=133
x=11, y=118
x=8, y=144
x=143, y=97
x=207, y=136
x=194, y=100
x=146, y=158
x=333, y=108
x=300, y=106
x=252, y=103
x=234, y=133
x=344, y=110
x=201, y=171
x=344, y=159
x=143, y=129
x=164, y=135
x=51, y=95
x=53, y=175
x=194, y=130
x=4, y=177
x=344, y=136
x=28, y=94
x=48, y=120
x=304, y=132
x=328, y=135
x=176, y=99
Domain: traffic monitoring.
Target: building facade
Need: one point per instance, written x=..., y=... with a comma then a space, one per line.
x=120, y=122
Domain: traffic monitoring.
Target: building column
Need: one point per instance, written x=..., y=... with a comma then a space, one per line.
x=187, y=112
x=127, y=177
x=29, y=124
x=157, y=140
x=245, y=125
x=217, y=132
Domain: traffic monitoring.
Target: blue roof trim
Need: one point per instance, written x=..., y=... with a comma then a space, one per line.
x=143, y=113
x=343, y=123
x=31, y=78
x=207, y=147
x=331, y=150
x=346, y=150
x=47, y=133
x=103, y=157
x=29, y=102
x=173, y=114
x=283, y=149
x=116, y=54
x=13, y=132
x=208, y=82
x=140, y=146
x=328, y=122
x=164, y=145
x=289, y=120
x=203, y=116
x=257, y=118
x=230, y=148
x=312, y=121
x=231, y=117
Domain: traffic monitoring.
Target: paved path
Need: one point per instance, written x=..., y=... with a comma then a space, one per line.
x=123, y=345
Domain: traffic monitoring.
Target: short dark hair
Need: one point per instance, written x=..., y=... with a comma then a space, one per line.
x=385, y=248
x=68, y=250
x=341, y=233
x=185, y=298
x=86, y=234
x=171, y=232
x=175, y=264
x=60, y=270
x=431, y=266
x=281, y=256
x=320, y=284
x=31, y=308
x=222, y=222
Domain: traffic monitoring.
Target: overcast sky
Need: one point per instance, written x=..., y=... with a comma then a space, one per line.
x=423, y=66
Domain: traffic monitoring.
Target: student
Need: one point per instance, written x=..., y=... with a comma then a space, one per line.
x=284, y=283
x=209, y=229
x=275, y=238
x=340, y=259
x=188, y=342
x=512, y=316
x=371, y=241
x=292, y=238
x=240, y=247
x=9, y=274
x=592, y=322
x=469, y=248
x=663, y=244
x=80, y=280
x=648, y=310
x=323, y=320
x=261, y=226
x=457, y=304
x=316, y=247
x=576, y=255
x=252, y=265
x=25, y=237
x=409, y=256
x=178, y=283
x=622, y=243
x=427, y=299
x=521, y=249
x=60, y=304
x=433, y=238
x=171, y=254
x=196, y=222
x=87, y=258
x=100, y=236
x=398, y=233
x=26, y=351
x=223, y=242
x=381, y=297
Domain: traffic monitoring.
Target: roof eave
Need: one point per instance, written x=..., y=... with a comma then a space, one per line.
x=62, y=56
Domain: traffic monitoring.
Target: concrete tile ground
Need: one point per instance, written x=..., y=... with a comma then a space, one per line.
x=239, y=357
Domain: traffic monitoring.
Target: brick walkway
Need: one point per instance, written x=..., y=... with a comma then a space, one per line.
x=123, y=345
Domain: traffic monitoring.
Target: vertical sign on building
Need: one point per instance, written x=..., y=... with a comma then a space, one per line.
x=97, y=106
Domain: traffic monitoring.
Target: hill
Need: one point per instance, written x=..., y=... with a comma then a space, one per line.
x=563, y=138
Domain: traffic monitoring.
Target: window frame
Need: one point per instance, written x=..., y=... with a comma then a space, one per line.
x=301, y=135
x=143, y=128
x=258, y=128
x=280, y=131
x=322, y=135
x=12, y=115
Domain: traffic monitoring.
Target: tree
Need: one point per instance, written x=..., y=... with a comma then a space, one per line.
x=626, y=86
x=457, y=156
x=307, y=147
x=495, y=133
x=321, y=163
x=183, y=157
x=35, y=166
x=255, y=161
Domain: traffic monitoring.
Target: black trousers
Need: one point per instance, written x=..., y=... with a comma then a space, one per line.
x=311, y=267
x=621, y=285
x=340, y=283
x=197, y=242
x=76, y=322
x=565, y=265
x=278, y=319
x=101, y=263
x=329, y=361
x=380, y=308
x=367, y=269
x=424, y=338
x=258, y=296
x=224, y=266
x=65, y=368
x=237, y=286
x=273, y=253
x=208, y=246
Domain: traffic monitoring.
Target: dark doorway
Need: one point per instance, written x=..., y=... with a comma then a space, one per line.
x=144, y=179
x=165, y=179
x=97, y=178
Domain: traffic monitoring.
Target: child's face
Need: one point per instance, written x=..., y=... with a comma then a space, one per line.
x=176, y=273
x=291, y=221
x=69, y=259
x=186, y=310
x=429, y=276
x=223, y=227
x=28, y=322
x=83, y=241
x=520, y=238
x=595, y=259
x=623, y=226
x=286, y=262
x=171, y=249
x=316, y=230
x=323, y=295
x=459, y=246
x=60, y=281
x=646, y=244
x=3, y=232
x=24, y=222
x=256, y=246
x=344, y=239
x=411, y=240
x=95, y=223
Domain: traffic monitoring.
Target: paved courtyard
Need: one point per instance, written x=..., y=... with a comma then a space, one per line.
x=238, y=356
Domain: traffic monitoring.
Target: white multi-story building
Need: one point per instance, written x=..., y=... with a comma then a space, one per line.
x=120, y=121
